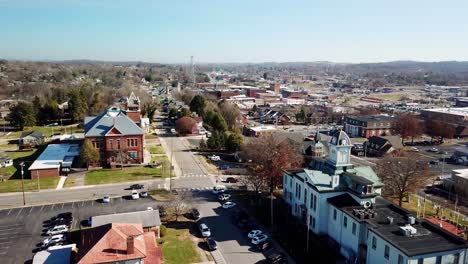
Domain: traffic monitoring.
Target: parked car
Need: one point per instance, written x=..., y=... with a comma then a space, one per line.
x=211, y=244
x=67, y=215
x=433, y=150
x=434, y=162
x=442, y=152
x=254, y=233
x=204, y=230
x=224, y=197
x=224, y=167
x=259, y=239
x=195, y=213
x=56, y=230
x=231, y=180
x=135, y=195
x=414, y=149
x=136, y=186
x=53, y=240
x=228, y=205
x=173, y=131
x=275, y=258
x=149, y=208
x=162, y=211
x=143, y=194
x=106, y=199
x=218, y=189
x=215, y=158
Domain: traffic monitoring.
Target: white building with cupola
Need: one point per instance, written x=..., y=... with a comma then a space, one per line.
x=343, y=202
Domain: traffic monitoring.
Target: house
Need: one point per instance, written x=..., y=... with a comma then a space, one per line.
x=149, y=219
x=5, y=161
x=54, y=161
x=118, y=138
x=55, y=255
x=118, y=243
x=198, y=126
x=30, y=139
x=274, y=117
x=258, y=131
x=380, y=145
x=367, y=126
x=334, y=198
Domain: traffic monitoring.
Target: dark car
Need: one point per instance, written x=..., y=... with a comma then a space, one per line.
x=265, y=246
x=136, y=186
x=162, y=211
x=231, y=180
x=275, y=258
x=195, y=213
x=211, y=244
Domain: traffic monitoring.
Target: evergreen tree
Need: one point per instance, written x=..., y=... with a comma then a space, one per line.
x=216, y=141
x=198, y=104
x=22, y=115
x=77, y=105
x=88, y=154
x=218, y=123
x=234, y=141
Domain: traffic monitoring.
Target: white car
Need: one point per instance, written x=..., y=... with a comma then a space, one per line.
x=173, y=130
x=259, y=239
x=143, y=194
x=254, y=233
x=219, y=189
x=414, y=149
x=224, y=197
x=228, y=205
x=54, y=240
x=149, y=209
x=204, y=230
x=106, y=199
x=215, y=158
x=56, y=230
x=135, y=195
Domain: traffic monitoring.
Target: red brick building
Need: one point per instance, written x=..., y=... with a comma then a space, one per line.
x=117, y=137
x=131, y=106
x=367, y=126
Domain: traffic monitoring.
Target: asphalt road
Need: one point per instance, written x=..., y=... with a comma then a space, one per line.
x=21, y=228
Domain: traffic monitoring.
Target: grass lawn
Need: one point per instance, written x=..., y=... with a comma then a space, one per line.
x=117, y=175
x=412, y=206
x=165, y=164
x=150, y=136
x=29, y=185
x=208, y=165
x=17, y=157
x=156, y=150
x=70, y=182
x=388, y=96
x=47, y=131
x=177, y=247
x=162, y=195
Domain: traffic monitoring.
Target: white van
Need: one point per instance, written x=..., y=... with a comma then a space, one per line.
x=219, y=189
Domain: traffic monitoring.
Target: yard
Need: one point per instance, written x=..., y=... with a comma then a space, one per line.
x=47, y=131
x=156, y=150
x=177, y=246
x=122, y=175
x=14, y=185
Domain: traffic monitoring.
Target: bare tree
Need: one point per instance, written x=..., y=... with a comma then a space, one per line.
x=403, y=175
x=179, y=204
x=230, y=112
x=407, y=126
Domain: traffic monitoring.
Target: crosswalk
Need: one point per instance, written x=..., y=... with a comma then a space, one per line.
x=194, y=175
x=199, y=189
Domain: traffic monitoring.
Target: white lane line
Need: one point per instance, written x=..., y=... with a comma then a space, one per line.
x=9, y=211
x=30, y=210
x=42, y=207
x=19, y=212
x=52, y=207
x=82, y=204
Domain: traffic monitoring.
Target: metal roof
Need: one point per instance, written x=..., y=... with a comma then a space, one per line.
x=111, y=118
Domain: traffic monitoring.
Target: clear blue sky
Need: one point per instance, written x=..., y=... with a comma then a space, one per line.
x=234, y=31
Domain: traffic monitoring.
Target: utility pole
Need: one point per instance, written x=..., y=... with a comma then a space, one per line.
x=22, y=182
x=170, y=169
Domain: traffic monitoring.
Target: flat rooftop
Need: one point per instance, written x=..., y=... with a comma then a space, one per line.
x=463, y=173
x=373, y=118
x=429, y=238
x=458, y=111
x=54, y=155
x=262, y=128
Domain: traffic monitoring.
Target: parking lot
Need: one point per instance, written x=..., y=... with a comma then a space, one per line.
x=21, y=228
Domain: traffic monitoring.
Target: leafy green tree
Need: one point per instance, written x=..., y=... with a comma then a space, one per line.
x=172, y=113
x=22, y=115
x=218, y=123
x=208, y=118
x=77, y=105
x=198, y=104
x=234, y=141
x=184, y=112
x=88, y=154
x=49, y=111
x=216, y=141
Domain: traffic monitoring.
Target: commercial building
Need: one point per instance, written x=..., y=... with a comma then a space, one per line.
x=334, y=198
x=456, y=117
x=149, y=220
x=367, y=126
x=258, y=131
x=116, y=136
x=54, y=161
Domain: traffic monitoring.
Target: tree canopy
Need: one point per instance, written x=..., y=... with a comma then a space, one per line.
x=198, y=104
x=184, y=125
x=407, y=126
x=88, y=154
x=22, y=115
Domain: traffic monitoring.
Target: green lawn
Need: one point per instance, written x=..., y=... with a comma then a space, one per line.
x=177, y=247
x=17, y=157
x=47, y=131
x=156, y=150
x=117, y=175
x=29, y=185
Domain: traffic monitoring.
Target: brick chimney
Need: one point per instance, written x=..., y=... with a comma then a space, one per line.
x=130, y=245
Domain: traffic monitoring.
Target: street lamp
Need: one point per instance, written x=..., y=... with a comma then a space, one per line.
x=22, y=182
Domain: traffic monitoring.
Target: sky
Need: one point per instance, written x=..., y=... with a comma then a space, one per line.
x=171, y=31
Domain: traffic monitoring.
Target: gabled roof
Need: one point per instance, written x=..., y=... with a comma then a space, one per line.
x=146, y=218
x=34, y=134
x=108, y=243
x=111, y=118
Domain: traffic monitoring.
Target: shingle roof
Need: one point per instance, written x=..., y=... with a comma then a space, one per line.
x=111, y=118
x=35, y=134
x=146, y=218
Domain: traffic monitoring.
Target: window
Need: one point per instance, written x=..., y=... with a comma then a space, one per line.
x=111, y=144
x=118, y=143
x=345, y=222
x=313, y=222
x=354, y=228
x=133, y=154
x=315, y=203
x=132, y=142
x=311, y=200
x=374, y=242
x=334, y=214
x=387, y=252
x=421, y=261
x=438, y=259
x=305, y=196
x=400, y=259
x=456, y=258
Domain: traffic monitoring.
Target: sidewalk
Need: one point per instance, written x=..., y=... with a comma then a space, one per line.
x=61, y=182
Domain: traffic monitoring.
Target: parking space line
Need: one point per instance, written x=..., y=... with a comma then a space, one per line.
x=52, y=207
x=9, y=211
x=82, y=204
x=62, y=206
x=30, y=210
x=19, y=212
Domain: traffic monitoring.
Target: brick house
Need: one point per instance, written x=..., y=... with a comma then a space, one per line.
x=117, y=137
x=367, y=126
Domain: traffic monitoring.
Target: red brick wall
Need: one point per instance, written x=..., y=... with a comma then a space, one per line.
x=135, y=116
x=46, y=173
x=105, y=151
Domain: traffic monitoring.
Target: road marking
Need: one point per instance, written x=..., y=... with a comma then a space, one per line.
x=52, y=207
x=30, y=210
x=19, y=212
x=62, y=206
x=9, y=211
x=82, y=204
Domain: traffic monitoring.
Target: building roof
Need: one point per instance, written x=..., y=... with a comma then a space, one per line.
x=462, y=173
x=112, y=118
x=342, y=200
x=381, y=140
x=54, y=255
x=373, y=118
x=56, y=155
x=34, y=134
x=339, y=137
x=147, y=218
x=429, y=238
x=108, y=243
x=458, y=111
